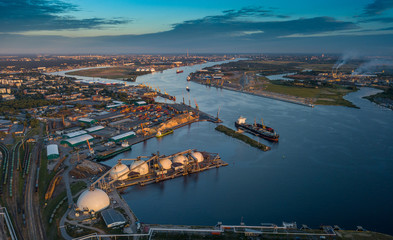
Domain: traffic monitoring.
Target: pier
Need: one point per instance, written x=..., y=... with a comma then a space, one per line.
x=155, y=170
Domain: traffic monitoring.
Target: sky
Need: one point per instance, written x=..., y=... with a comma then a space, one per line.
x=204, y=26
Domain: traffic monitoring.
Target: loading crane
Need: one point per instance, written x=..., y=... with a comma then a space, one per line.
x=90, y=149
x=196, y=105
x=218, y=112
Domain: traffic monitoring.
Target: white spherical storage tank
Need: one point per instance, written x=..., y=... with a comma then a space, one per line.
x=140, y=167
x=166, y=163
x=93, y=199
x=197, y=156
x=118, y=172
x=180, y=159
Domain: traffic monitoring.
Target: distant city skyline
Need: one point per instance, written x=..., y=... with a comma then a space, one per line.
x=120, y=26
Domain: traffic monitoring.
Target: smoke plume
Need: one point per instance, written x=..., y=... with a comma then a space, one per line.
x=373, y=66
x=344, y=59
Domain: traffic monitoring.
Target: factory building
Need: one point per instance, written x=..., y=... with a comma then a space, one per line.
x=76, y=141
x=123, y=136
x=112, y=218
x=74, y=134
x=52, y=151
x=87, y=120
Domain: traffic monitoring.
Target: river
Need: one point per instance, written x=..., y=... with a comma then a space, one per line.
x=332, y=165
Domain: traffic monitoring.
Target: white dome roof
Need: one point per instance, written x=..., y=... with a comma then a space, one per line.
x=96, y=200
x=180, y=159
x=166, y=163
x=118, y=171
x=197, y=156
x=140, y=167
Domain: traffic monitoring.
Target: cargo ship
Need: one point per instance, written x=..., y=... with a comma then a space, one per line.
x=111, y=153
x=179, y=71
x=166, y=132
x=257, y=129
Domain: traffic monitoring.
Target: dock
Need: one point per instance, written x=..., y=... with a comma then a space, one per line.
x=157, y=172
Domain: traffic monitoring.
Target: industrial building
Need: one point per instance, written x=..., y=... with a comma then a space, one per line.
x=112, y=218
x=140, y=103
x=93, y=200
x=109, y=116
x=87, y=120
x=94, y=129
x=74, y=134
x=52, y=151
x=76, y=141
x=123, y=136
x=119, y=171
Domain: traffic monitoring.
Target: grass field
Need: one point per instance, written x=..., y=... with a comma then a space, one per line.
x=323, y=95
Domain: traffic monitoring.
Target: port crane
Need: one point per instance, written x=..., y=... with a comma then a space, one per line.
x=90, y=148
x=143, y=130
x=196, y=105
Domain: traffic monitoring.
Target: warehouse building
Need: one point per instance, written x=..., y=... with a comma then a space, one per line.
x=123, y=136
x=140, y=103
x=74, y=134
x=94, y=129
x=52, y=151
x=76, y=141
x=112, y=218
x=87, y=120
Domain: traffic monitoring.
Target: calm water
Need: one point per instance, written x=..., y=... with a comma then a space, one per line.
x=333, y=165
x=280, y=77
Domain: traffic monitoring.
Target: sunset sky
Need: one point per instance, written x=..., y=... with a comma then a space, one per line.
x=125, y=26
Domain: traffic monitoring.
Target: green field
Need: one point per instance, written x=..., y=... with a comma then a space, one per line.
x=323, y=95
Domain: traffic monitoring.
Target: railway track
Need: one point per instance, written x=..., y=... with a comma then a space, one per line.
x=10, y=180
x=34, y=225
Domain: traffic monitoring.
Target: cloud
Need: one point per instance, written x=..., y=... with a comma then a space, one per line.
x=377, y=7
x=232, y=15
x=233, y=26
x=382, y=20
x=26, y=15
x=245, y=30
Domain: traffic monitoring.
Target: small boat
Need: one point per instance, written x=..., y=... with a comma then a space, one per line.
x=188, y=78
x=125, y=144
x=166, y=132
x=179, y=71
x=187, y=88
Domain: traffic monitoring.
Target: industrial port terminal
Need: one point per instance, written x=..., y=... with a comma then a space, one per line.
x=65, y=172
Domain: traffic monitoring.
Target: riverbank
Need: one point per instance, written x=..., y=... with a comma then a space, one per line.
x=384, y=98
x=126, y=73
x=253, y=78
